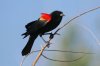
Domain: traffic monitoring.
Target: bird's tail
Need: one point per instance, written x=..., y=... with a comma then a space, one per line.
x=29, y=44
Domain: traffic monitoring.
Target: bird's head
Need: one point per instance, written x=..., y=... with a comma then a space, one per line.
x=57, y=14
x=45, y=17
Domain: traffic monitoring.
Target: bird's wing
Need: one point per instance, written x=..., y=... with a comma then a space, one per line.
x=29, y=24
x=35, y=26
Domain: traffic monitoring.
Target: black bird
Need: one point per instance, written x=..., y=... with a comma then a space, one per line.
x=45, y=23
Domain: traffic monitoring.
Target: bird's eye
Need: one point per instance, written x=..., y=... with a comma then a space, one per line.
x=62, y=14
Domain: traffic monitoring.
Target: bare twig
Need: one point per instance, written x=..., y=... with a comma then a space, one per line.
x=63, y=60
x=64, y=51
x=40, y=53
x=23, y=59
x=92, y=34
x=77, y=17
x=57, y=60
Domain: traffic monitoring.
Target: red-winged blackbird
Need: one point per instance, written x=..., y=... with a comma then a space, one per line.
x=45, y=23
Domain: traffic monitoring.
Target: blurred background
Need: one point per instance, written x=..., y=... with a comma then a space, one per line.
x=81, y=35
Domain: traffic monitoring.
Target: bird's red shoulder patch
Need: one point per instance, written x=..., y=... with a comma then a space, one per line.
x=45, y=17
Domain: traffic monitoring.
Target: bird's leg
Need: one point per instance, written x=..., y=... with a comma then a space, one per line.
x=45, y=41
x=51, y=36
x=43, y=38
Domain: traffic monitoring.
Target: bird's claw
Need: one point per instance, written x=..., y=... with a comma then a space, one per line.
x=48, y=44
x=52, y=35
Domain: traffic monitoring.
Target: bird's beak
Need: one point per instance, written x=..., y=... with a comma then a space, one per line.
x=62, y=14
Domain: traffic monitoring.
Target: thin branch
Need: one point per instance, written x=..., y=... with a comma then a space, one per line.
x=92, y=34
x=63, y=51
x=23, y=59
x=40, y=53
x=63, y=60
x=54, y=59
x=77, y=17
